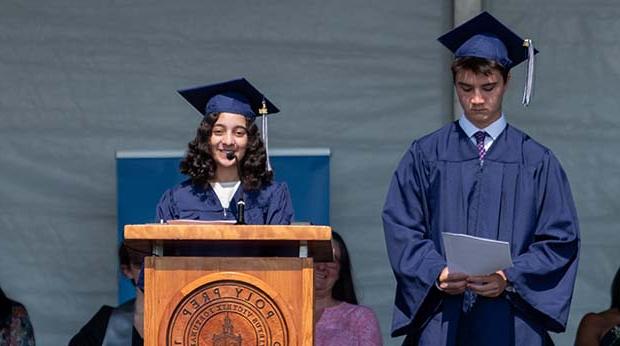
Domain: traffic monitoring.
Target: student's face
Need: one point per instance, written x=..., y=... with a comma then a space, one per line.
x=132, y=272
x=480, y=96
x=229, y=133
x=326, y=274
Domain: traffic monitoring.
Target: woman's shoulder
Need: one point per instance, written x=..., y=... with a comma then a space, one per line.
x=18, y=310
x=271, y=188
x=183, y=190
x=183, y=187
x=594, y=325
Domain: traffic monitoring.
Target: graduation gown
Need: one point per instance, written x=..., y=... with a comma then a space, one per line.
x=269, y=205
x=521, y=195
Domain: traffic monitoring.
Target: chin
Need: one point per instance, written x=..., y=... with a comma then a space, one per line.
x=225, y=163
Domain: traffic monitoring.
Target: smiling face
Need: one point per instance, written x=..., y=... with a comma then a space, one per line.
x=480, y=95
x=326, y=274
x=228, y=134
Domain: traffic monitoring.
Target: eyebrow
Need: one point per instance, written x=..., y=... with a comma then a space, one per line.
x=471, y=85
x=234, y=127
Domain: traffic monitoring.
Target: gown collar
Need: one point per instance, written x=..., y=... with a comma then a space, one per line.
x=493, y=130
x=506, y=146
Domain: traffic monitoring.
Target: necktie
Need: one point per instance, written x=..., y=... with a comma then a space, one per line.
x=469, y=297
x=480, y=136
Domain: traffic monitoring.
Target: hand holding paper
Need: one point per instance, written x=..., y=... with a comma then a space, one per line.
x=475, y=256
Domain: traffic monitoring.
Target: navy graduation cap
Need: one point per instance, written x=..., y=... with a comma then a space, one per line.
x=234, y=96
x=486, y=37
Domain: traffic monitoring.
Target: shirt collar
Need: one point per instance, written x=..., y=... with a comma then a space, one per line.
x=493, y=130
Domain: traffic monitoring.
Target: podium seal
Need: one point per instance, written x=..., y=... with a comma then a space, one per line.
x=227, y=312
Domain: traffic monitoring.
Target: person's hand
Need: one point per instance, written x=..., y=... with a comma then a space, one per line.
x=452, y=283
x=489, y=286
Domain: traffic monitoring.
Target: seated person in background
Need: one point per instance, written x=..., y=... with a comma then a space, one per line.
x=227, y=134
x=15, y=327
x=115, y=326
x=602, y=328
x=339, y=320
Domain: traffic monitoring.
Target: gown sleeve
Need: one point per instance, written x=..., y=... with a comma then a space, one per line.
x=413, y=255
x=280, y=211
x=543, y=274
x=167, y=208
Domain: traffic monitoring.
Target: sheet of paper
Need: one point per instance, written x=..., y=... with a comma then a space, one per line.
x=474, y=255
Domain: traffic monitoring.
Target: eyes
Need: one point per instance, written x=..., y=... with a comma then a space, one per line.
x=238, y=131
x=486, y=87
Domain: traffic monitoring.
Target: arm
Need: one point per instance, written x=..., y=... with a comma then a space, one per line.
x=280, y=210
x=166, y=208
x=543, y=274
x=414, y=258
x=367, y=326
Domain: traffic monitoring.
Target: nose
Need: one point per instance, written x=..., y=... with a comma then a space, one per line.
x=477, y=98
x=228, y=139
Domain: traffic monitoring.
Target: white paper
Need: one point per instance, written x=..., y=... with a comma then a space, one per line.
x=474, y=255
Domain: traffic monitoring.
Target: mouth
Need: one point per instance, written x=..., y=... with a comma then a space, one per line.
x=225, y=151
x=320, y=275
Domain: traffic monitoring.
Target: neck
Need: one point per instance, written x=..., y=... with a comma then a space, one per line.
x=225, y=174
x=484, y=123
x=323, y=299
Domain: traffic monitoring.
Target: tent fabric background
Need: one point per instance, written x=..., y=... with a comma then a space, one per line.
x=82, y=79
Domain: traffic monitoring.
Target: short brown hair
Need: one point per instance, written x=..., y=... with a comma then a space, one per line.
x=478, y=66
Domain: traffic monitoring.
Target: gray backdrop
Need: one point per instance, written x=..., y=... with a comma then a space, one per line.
x=80, y=79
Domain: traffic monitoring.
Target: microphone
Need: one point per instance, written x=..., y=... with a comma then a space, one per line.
x=230, y=155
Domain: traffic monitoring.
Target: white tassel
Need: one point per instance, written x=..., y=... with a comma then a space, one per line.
x=265, y=135
x=529, y=77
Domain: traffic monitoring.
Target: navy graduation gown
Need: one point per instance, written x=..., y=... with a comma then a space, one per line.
x=269, y=205
x=520, y=195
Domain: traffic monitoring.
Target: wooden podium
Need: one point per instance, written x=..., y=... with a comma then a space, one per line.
x=204, y=300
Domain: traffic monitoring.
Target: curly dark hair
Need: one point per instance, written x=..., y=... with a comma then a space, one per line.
x=200, y=166
x=478, y=66
x=343, y=289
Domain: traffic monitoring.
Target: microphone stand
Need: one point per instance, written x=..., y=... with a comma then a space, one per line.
x=240, y=204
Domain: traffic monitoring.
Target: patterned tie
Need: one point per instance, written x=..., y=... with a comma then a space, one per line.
x=469, y=299
x=480, y=136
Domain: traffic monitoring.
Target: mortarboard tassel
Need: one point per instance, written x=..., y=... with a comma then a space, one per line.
x=529, y=78
x=265, y=131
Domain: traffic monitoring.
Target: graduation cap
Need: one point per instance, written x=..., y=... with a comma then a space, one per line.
x=234, y=96
x=486, y=37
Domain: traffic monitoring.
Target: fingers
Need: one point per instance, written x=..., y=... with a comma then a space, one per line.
x=487, y=286
x=453, y=287
x=447, y=276
x=456, y=277
x=484, y=289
